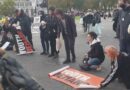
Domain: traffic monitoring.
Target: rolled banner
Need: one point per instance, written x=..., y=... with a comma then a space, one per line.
x=59, y=70
x=5, y=45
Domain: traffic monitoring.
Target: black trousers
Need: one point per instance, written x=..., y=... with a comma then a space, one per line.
x=53, y=45
x=125, y=46
x=69, y=47
x=44, y=42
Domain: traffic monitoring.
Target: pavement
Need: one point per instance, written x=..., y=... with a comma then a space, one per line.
x=39, y=66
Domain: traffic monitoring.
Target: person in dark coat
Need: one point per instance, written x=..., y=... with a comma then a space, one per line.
x=94, y=58
x=44, y=34
x=88, y=21
x=52, y=27
x=116, y=20
x=25, y=23
x=44, y=38
x=69, y=34
x=120, y=65
x=123, y=25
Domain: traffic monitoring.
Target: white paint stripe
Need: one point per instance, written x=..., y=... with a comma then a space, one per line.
x=112, y=74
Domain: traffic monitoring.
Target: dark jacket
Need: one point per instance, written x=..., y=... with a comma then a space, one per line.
x=88, y=19
x=70, y=27
x=96, y=51
x=97, y=17
x=124, y=21
x=115, y=19
x=119, y=68
x=15, y=77
x=52, y=25
x=25, y=23
x=44, y=32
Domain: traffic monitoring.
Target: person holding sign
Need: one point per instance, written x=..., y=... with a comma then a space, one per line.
x=95, y=56
x=120, y=64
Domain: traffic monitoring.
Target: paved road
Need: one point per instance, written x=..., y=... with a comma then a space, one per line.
x=39, y=66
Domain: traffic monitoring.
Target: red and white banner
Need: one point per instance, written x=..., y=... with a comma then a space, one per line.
x=75, y=78
x=23, y=46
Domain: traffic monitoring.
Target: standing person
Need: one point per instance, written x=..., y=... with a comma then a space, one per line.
x=52, y=27
x=69, y=34
x=95, y=57
x=124, y=22
x=120, y=65
x=97, y=21
x=44, y=34
x=88, y=19
x=116, y=13
x=25, y=23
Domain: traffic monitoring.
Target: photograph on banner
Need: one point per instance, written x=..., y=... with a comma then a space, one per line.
x=75, y=78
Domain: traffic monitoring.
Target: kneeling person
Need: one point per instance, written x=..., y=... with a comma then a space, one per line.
x=95, y=56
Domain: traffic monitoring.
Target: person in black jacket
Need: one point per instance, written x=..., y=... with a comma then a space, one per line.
x=25, y=24
x=120, y=65
x=88, y=21
x=69, y=34
x=95, y=56
x=52, y=27
x=123, y=25
x=44, y=35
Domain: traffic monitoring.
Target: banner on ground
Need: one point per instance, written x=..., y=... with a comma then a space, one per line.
x=76, y=79
x=22, y=45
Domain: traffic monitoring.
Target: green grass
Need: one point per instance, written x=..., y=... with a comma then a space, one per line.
x=77, y=18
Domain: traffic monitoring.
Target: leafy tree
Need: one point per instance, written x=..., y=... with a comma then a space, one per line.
x=83, y=4
x=7, y=7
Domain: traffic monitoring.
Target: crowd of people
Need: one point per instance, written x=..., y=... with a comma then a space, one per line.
x=57, y=24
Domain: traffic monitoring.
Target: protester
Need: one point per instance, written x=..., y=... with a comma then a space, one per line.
x=123, y=25
x=88, y=21
x=94, y=58
x=44, y=35
x=120, y=64
x=25, y=22
x=69, y=34
x=116, y=20
x=52, y=26
x=97, y=22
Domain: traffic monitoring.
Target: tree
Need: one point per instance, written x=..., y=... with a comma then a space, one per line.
x=7, y=7
x=83, y=4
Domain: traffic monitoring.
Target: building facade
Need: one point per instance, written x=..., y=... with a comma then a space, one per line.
x=26, y=5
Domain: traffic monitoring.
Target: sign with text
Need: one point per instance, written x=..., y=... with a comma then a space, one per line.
x=75, y=78
x=22, y=45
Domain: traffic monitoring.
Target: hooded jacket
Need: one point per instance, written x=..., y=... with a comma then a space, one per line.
x=96, y=50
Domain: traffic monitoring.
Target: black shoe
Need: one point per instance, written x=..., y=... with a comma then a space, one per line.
x=51, y=55
x=66, y=62
x=34, y=49
x=42, y=53
x=56, y=56
x=73, y=60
